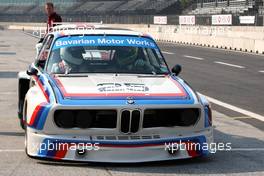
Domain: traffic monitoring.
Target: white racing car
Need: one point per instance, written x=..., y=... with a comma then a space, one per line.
x=107, y=95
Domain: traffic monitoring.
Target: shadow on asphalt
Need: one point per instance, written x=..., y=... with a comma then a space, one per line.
x=222, y=162
x=12, y=134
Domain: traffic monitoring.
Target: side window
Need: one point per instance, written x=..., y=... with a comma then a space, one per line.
x=43, y=55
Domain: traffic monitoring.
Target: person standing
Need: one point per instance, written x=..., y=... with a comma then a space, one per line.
x=53, y=17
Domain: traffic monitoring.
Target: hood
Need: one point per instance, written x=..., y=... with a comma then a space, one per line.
x=105, y=86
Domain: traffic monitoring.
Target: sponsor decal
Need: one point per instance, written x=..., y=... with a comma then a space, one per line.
x=222, y=19
x=122, y=87
x=187, y=20
x=104, y=41
x=247, y=19
x=160, y=19
x=124, y=90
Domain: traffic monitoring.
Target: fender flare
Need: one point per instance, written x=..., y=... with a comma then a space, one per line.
x=23, y=87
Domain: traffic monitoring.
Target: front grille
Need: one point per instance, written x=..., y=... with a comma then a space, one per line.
x=126, y=137
x=125, y=121
x=85, y=118
x=130, y=120
x=135, y=118
x=170, y=117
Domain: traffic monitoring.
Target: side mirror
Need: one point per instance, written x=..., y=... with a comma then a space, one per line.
x=32, y=71
x=176, y=69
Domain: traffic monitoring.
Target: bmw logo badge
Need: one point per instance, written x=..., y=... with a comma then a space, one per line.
x=130, y=100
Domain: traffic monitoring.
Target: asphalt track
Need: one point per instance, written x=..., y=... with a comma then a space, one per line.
x=230, y=77
x=233, y=77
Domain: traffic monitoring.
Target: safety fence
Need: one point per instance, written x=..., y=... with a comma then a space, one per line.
x=128, y=19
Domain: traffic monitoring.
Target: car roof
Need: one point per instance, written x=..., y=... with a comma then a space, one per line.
x=92, y=29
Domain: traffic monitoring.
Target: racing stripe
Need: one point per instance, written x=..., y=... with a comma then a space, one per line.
x=60, y=153
x=105, y=95
x=35, y=114
x=40, y=84
x=39, y=116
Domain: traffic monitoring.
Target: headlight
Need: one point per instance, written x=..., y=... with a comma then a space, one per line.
x=64, y=119
x=84, y=119
x=189, y=117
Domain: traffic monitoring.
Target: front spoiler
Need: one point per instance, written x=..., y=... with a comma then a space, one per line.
x=115, y=151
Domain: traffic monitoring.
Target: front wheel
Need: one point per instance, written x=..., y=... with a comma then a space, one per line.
x=20, y=115
x=26, y=140
x=22, y=123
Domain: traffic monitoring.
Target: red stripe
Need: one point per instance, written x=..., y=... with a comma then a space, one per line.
x=41, y=88
x=192, y=151
x=60, y=154
x=129, y=146
x=34, y=114
x=178, y=85
x=66, y=94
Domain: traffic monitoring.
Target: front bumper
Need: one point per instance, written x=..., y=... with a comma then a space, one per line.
x=59, y=147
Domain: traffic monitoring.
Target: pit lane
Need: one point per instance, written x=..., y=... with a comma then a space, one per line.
x=245, y=133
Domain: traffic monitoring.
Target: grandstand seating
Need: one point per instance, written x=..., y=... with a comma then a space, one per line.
x=84, y=6
x=83, y=10
x=223, y=7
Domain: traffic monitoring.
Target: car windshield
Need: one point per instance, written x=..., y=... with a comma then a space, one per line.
x=106, y=54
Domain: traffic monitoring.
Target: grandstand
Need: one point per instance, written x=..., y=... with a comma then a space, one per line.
x=236, y=7
x=23, y=7
x=126, y=11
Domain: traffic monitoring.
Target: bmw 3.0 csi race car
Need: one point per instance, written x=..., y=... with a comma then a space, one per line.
x=107, y=95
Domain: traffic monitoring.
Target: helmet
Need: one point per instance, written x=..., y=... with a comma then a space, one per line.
x=72, y=55
x=126, y=55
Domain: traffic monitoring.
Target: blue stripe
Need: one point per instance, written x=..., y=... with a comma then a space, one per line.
x=43, y=117
x=37, y=118
x=197, y=139
x=46, y=86
x=119, y=101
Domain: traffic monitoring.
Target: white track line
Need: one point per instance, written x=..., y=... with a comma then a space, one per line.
x=193, y=57
x=12, y=151
x=231, y=65
x=166, y=52
x=261, y=71
x=247, y=149
x=235, y=108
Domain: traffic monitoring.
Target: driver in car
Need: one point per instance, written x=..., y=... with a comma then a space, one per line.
x=128, y=58
x=71, y=58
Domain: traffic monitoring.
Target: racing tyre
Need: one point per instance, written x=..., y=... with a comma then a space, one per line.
x=22, y=124
x=26, y=141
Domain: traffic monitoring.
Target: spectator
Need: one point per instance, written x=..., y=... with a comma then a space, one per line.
x=53, y=17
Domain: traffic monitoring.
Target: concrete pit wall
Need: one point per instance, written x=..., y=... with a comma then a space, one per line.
x=240, y=38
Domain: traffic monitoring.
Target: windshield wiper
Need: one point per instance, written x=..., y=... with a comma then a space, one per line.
x=154, y=75
x=72, y=75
